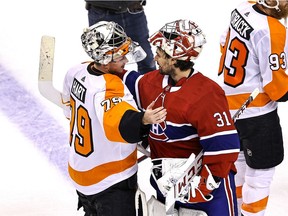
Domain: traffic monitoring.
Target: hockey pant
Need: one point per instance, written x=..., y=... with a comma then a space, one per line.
x=253, y=188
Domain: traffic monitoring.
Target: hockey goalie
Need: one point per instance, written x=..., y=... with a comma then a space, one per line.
x=198, y=121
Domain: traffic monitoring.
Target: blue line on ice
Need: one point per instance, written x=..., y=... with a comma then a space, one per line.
x=23, y=110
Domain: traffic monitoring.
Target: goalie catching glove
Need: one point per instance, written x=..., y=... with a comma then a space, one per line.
x=200, y=188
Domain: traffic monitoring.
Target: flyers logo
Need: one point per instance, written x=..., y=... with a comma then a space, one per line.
x=157, y=131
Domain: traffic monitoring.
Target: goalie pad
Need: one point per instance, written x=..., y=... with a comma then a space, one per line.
x=156, y=208
x=191, y=212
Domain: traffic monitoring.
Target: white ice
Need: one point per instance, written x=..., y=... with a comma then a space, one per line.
x=30, y=185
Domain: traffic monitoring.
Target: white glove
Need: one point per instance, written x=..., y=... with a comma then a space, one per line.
x=172, y=169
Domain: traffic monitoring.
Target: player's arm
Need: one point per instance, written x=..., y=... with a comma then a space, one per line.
x=126, y=124
x=220, y=143
x=220, y=152
x=273, y=62
x=283, y=98
x=131, y=80
x=218, y=136
x=122, y=121
x=134, y=126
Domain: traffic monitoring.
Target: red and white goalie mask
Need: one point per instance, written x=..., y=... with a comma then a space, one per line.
x=181, y=39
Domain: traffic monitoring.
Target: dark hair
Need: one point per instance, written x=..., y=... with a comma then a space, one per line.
x=182, y=65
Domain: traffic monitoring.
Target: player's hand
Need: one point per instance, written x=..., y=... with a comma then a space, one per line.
x=154, y=116
x=201, y=187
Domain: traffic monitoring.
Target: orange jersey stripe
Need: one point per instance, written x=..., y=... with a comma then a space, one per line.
x=256, y=206
x=110, y=124
x=98, y=173
x=236, y=101
x=239, y=192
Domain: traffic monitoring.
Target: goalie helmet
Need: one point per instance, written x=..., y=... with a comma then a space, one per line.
x=106, y=41
x=181, y=39
x=276, y=6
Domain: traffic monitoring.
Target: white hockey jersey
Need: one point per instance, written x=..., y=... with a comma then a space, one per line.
x=254, y=55
x=99, y=155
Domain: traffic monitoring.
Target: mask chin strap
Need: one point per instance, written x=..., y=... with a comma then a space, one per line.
x=263, y=2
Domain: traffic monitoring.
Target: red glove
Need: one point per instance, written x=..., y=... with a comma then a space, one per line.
x=201, y=186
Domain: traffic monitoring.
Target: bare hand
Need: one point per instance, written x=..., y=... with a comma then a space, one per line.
x=155, y=116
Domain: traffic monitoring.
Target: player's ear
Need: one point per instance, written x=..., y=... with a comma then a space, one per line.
x=106, y=67
x=172, y=61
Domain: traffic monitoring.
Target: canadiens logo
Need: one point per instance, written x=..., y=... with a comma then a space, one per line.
x=170, y=132
x=157, y=131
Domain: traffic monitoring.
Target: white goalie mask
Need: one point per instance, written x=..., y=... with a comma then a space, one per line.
x=106, y=41
x=181, y=39
x=276, y=6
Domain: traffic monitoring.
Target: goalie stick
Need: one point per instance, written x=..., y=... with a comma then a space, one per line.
x=251, y=97
x=45, y=76
x=182, y=183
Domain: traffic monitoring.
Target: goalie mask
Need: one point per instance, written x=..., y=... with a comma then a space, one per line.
x=106, y=41
x=181, y=39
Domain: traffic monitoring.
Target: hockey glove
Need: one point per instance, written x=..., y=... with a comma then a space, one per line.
x=172, y=169
x=201, y=186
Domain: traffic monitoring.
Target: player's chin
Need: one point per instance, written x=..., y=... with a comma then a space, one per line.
x=161, y=71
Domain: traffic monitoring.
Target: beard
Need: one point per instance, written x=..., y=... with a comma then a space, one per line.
x=167, y=71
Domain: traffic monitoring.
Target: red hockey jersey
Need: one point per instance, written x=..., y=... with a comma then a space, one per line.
x=198, y=118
